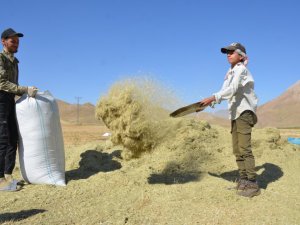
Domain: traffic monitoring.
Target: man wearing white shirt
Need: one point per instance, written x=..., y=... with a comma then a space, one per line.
x=238, y=90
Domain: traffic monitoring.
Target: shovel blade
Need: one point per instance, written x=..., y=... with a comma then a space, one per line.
x=195, y=107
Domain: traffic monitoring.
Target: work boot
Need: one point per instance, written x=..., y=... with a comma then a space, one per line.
x=240, y=185
x=251, y=189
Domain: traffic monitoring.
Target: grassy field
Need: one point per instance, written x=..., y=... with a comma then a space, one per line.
x=165, y=186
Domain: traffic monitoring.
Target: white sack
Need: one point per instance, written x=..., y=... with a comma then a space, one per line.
x=41, y=147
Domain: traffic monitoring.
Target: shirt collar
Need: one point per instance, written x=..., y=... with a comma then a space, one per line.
x=231, y=70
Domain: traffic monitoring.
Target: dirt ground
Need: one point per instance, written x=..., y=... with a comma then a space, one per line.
x=75, y=135
x=165, y=186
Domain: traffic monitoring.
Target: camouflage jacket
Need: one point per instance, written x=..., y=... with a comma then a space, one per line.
x=9, y=73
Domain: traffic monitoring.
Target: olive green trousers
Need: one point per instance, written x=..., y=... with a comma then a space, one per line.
x=241, y=129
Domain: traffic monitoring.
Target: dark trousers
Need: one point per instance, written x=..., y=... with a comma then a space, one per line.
x=8, y=133
x=241, y=129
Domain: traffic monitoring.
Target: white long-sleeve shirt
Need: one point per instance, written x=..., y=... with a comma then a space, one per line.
x=238, y=89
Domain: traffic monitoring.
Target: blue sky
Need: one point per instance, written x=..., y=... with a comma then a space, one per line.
x=79, y=48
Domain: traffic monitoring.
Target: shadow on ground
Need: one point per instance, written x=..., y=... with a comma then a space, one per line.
x=93, y=162
x=17, y=216
x=174, y=173
x=270, y=174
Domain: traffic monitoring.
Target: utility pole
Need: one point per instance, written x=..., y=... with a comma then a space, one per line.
x=78, y=98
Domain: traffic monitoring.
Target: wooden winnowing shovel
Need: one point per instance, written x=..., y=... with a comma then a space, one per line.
x=195, y=107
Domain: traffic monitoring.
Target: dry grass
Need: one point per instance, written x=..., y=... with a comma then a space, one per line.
x=75, y=135
x=106, y=189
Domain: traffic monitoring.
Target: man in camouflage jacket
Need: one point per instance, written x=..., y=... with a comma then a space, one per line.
x=9, y=87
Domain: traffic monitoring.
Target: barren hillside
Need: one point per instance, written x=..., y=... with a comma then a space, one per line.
x=68, y=113
x=283, y=111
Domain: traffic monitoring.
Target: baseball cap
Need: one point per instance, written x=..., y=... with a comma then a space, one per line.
x=10, y=33
x=232, y=47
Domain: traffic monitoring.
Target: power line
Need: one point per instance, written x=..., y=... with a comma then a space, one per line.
x=78, y=99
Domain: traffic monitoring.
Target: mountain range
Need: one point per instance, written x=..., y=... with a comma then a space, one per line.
x=281, y=112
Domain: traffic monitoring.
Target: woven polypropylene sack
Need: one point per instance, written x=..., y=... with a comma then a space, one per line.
x=41, y=147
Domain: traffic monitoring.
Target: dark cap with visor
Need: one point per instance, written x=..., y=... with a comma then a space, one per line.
x=232, y=47
x=10, y=33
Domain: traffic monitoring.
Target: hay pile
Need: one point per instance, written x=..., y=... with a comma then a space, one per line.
x=135, y=111
x=126, y=111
